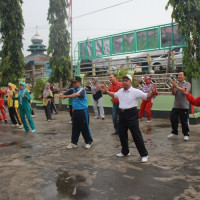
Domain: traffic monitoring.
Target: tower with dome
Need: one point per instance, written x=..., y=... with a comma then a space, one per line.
x=37, y=61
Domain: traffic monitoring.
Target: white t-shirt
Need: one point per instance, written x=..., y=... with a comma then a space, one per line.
x=129, y=98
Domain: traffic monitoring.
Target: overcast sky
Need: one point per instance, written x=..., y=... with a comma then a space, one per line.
x=130, y=16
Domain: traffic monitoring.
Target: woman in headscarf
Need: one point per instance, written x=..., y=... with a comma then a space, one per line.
x=47, y=95
x=147, y=104
x=13, y=106
x=97, y=99
x=29, y=91
x=24, y=107
x=53, y=105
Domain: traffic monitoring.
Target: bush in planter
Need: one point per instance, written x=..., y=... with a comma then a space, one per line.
x=122, y=72
x=38, y=88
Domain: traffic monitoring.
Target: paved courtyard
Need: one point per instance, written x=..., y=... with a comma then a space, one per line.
x=38, y=166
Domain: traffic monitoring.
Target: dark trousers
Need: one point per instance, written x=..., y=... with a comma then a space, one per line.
x=115, y=113
x=80, y=123
x=70, y=111
x=53, y=107
x=183, y=114
x=14, y=115
x=129, y=120
x=47, y=110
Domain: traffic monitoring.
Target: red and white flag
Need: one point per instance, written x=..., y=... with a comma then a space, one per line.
x=70, y=13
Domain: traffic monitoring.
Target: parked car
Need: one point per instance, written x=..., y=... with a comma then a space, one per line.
x=139, y=65
x=160, y=63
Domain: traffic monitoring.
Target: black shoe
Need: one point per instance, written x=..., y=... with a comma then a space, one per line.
x=5, y=121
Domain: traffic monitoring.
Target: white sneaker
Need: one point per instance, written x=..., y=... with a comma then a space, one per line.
x=70, y=122
x=87, y=146
x=33, y=116
x=170, y=136
x=148, y=121
x=17, y=125
x=20, y=126
x=96, y=117
x=144, y=159
x=71, y=146
x=48, y=120
x=33, y=130
x=186, y=138
x=122, y=155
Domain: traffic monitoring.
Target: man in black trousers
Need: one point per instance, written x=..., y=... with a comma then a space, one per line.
x=128, y=116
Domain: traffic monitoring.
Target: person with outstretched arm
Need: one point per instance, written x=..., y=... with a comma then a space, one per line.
x=128, y=115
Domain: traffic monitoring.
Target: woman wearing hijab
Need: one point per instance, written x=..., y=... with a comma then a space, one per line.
x=24, y=107
x=29, y=91
x=13, y=106
x=97, y=99
x=147, y=104
x=53, y=105
x=47, y=95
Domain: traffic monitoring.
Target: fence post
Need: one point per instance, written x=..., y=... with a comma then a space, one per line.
x=110, y=66
x=173, y=60
x=93, y=68
x=149, y=62
x=127, y=63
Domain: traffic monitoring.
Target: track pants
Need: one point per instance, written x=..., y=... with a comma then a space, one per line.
x=53, y=107
x=2, y=108
x=80, y=123
x=128, y=119
x=95, y=107
x=47, y=110
x=146, y=105
x=26, y=112
x=183, y=114
x=14, y=115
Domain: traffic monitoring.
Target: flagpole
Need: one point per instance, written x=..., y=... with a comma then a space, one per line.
x=71, y=41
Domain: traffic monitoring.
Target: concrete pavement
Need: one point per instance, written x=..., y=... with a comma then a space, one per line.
x=38, y=167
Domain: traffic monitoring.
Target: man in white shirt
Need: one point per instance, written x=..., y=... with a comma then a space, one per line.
x=128, y=116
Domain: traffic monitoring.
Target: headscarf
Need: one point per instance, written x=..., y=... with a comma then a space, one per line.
x=146, y=79
x=22, y=92
x=93, y=87
x=46, y=92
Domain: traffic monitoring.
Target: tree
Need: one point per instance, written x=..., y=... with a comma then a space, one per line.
x=11, y=30
x=187, y=14
x=59, y=42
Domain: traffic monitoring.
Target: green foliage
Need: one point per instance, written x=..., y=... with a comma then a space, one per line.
x=11, y=30
x=122, y=72
x=187, y=14
x=38, y=88
x=59, y=41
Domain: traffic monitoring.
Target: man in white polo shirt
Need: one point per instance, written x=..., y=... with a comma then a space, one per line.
x=128, y=116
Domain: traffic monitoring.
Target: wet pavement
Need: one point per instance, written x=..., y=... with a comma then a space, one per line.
x=37, y=166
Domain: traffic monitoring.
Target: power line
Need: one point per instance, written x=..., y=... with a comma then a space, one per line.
x=83, y=15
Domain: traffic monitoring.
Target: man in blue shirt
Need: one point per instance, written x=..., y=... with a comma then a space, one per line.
x=80, y=116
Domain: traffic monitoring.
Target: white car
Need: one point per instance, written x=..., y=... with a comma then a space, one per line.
x=161, y=62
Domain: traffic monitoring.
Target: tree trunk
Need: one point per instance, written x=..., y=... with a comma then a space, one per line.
x=60, y=106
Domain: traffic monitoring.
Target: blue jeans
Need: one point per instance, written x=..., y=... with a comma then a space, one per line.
x=115, y=113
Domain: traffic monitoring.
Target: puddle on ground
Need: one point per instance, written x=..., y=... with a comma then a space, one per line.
x=48, y=133
x=21, y=146
x=9, y=144
x=68, y=185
